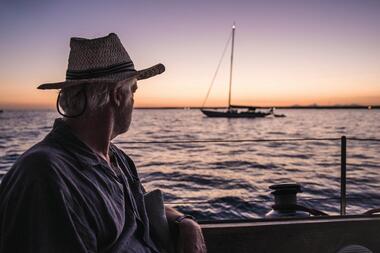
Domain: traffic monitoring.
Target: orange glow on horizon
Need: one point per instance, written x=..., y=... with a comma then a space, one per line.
x=284, y=55
x=36, y=99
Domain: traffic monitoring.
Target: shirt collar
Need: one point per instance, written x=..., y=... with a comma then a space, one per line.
x=73, y=145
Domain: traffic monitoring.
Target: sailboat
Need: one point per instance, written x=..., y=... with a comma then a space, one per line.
x=236, y=111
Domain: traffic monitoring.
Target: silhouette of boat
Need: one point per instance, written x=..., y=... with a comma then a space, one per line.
x=237, y=111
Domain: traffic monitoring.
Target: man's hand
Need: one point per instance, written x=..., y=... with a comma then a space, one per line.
x=188, y=233
x=190, y=237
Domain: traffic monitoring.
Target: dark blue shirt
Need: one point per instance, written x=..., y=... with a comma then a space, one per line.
x=60, y=196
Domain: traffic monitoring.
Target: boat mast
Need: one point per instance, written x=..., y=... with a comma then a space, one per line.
x=232, y=59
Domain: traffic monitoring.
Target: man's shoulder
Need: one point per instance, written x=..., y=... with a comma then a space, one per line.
x=43, y=152
x=37, y=161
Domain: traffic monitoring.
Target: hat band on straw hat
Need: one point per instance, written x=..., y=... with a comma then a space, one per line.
x=100, y=72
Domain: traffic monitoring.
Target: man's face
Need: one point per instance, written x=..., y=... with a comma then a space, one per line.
x=123, y=114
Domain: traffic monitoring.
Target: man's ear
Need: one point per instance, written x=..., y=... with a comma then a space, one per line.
x=116, y=96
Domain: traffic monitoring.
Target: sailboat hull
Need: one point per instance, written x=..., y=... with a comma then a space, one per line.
x=234, y=114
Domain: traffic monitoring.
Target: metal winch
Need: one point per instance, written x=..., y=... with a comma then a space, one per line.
x=285, y=202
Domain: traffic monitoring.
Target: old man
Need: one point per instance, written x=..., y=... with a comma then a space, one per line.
x=75, y=191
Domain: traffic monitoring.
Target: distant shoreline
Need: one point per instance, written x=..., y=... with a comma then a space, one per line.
x=322, y=107
x=306, y=107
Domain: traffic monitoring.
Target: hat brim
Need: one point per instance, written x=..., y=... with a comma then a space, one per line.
x=140, y=75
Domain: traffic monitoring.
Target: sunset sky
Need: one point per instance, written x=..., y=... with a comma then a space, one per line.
x=287, y=52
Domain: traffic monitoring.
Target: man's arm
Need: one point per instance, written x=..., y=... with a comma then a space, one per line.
x=190, y=238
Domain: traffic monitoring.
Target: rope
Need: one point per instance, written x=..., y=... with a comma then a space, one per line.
x=230, y=141
x=364, y=139
x=372, y=211
x=245, y=140
x=312, y=211
x=217, y=70
x=301, y=200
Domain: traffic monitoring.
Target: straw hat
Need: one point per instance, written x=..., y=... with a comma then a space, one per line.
x=100, y=60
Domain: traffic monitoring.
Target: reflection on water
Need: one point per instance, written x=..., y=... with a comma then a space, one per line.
x=229, y=180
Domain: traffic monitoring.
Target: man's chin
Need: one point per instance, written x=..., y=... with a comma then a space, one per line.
x=125, y=128
x=118, y=131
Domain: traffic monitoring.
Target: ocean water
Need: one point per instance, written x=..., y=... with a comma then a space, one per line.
x=229, y=179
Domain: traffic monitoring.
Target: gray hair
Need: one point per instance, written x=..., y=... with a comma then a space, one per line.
x=72, y=99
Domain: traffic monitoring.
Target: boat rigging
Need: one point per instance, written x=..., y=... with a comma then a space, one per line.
x=235, y=111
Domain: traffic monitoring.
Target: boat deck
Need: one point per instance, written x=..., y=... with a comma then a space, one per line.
x=304, y=235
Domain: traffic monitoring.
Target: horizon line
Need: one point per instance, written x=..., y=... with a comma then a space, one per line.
x=354, y=106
